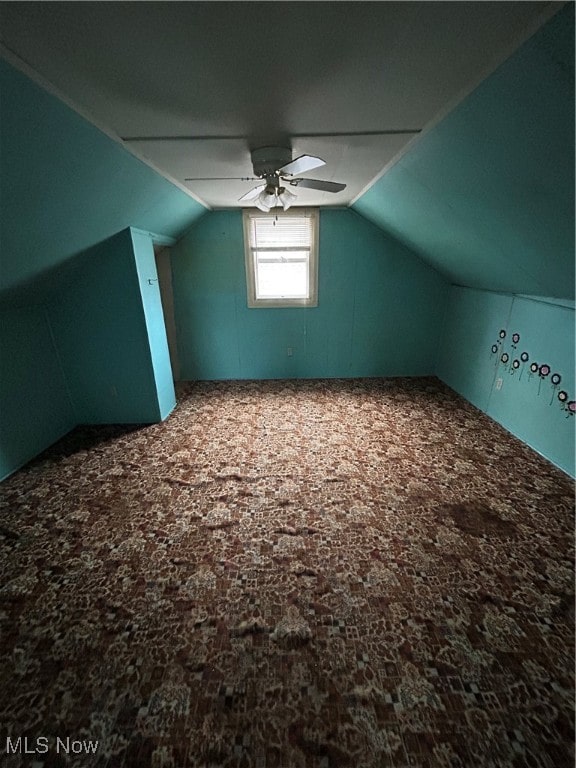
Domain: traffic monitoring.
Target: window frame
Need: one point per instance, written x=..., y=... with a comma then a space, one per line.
x=250, y=262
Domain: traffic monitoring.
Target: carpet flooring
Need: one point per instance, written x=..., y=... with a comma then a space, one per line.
x=305, y=574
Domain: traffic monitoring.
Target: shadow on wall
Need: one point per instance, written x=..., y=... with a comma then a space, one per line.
x=45, y=286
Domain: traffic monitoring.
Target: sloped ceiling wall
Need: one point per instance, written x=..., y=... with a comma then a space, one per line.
x=487, y=195
x=66, y=186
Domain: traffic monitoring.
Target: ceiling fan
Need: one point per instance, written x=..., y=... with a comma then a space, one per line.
x=273, y=166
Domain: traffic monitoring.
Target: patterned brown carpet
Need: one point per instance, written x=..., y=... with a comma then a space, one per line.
x=299, y=574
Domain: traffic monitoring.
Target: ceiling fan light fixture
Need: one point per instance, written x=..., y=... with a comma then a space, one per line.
x=286, y=198
x=262, y=203
x=267, y=198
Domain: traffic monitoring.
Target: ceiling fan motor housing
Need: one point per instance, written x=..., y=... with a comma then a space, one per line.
x=267, y=160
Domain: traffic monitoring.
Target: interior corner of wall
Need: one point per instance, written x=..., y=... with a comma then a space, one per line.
x=201, y=218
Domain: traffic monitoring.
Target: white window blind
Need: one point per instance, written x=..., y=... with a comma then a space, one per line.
x=281, y=232
x=281, y=258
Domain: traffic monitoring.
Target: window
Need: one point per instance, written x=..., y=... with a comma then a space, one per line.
x=281, y=258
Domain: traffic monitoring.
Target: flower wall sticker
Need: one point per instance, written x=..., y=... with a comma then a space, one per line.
x=555, y=379
x=505, y=356
x=544, y=370
x=524, y=357
x=498, y=345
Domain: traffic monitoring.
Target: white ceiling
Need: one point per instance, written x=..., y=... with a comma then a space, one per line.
x=193, y=86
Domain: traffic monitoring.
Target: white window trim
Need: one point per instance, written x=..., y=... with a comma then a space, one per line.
x=312, y=300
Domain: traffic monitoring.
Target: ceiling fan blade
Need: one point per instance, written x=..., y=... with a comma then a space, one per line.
x=222, y=178
x=324, y=186
x=301, y=165
x=254, y=192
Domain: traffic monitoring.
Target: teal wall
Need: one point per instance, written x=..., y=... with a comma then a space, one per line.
x=151, y=304
x=526, y=405
x=35, y=409
x=66, y=186
x=379, y=310
x=80, y=338
x=102, y=338
x=487, y=195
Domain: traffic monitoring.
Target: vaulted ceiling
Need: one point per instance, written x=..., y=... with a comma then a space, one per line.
x=487, y=195
x=451, y=123
x=194, y=86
